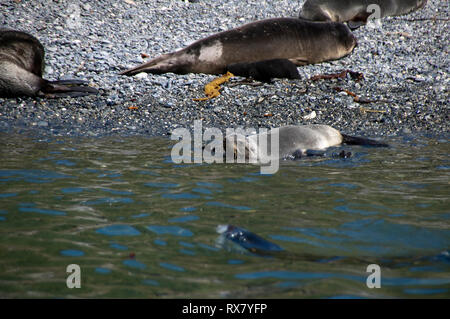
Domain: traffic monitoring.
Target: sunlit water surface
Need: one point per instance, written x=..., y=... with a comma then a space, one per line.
x=140, y=226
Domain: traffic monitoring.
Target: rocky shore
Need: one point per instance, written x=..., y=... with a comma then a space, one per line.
x=404, y=62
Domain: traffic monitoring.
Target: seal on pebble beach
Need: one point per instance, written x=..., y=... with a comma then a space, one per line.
x=22, y=65
x=356, y=10
x=265, y=70
x=302, y=42
x=295, y=141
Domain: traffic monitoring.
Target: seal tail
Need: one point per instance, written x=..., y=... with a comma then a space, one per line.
x=158, y=65
x=355, y=140
x=67, y=88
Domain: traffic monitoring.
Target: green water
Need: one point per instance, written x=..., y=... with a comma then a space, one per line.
x=140, y=226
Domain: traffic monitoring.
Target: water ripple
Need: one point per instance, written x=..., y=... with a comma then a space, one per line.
x=41, y=211
x=118, y=230
x=170, y=230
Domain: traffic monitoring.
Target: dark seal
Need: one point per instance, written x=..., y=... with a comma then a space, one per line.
x=21, y=69
x=266, y=70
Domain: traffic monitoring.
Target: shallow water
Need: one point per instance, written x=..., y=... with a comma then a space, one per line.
x=139, y=225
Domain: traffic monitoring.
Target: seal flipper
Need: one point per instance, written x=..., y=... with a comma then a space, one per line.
x=69, y=82
x=359, y=20
x=353, y=25
x=354, y=140
x=299, y=154
x=66, y=88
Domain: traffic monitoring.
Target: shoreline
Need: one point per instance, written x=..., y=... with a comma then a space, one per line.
x=404, y=63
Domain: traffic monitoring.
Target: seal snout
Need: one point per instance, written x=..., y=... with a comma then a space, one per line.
x=355, y=42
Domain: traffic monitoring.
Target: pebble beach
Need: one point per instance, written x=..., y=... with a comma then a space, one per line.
x=403, y=60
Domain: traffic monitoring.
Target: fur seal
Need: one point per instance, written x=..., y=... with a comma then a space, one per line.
x=241, y=240
x=295, y=141
x=22, y=65
x=356, y=10
x=302, y=42
x=265, y=70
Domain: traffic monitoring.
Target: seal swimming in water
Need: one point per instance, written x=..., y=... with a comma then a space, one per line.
x=22, y=65
x=239, y=239
x=265, y=70
x=294, y=141
x=302, y=42
x=356, y=10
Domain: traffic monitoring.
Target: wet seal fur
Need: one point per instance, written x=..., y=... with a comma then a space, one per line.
x=241, y=240
x=21, y=69
x=265, y=70
x=302, y=42
x=296, y=141
x=355, y=11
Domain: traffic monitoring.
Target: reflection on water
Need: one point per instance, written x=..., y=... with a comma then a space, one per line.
x=140, y=226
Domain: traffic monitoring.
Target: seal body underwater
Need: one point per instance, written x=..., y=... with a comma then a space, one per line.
x=295, y=140
x=356, y=10
x=241, y=240
x=302, y=42
x=265, y=70
x=21, y=69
